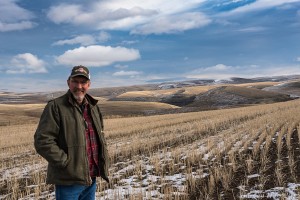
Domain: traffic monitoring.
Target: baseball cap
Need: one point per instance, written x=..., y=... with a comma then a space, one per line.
x=80, y=71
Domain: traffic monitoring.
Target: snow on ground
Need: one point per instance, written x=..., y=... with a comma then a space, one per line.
x=139, y=177
x=277, y=193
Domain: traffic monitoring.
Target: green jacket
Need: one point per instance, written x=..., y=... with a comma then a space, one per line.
x=60, y=139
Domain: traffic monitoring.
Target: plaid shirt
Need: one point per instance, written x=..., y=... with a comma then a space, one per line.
x=92, y=143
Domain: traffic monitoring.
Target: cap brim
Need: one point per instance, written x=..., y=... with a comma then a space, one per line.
x=84, y=75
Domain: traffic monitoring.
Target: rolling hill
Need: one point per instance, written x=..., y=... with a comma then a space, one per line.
x=228, y=96
x=179, y=96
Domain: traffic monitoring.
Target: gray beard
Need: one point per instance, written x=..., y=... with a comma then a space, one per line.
x=78, y=98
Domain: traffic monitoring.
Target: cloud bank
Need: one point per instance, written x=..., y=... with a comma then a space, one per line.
x=221, y=71
x=127, y=73
x=140, y=17
x=13, y=17
x=26, y=63
x=85, y=39
x=97, y=56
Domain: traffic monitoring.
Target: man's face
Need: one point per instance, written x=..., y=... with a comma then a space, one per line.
x=79, y=86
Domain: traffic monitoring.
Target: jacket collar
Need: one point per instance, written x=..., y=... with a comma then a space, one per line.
x=92, y=101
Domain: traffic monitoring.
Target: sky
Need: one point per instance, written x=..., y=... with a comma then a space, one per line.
x=132, y=42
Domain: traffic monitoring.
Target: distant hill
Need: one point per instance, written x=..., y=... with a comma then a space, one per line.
x=130, y=108
x=175, y=96
x=181, y=96
x=291, y=88
x=226, y=96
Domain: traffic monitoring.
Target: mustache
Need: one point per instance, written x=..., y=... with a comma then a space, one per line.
x=77, y=90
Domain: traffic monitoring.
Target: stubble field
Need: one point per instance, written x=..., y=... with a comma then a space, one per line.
x=239, y=153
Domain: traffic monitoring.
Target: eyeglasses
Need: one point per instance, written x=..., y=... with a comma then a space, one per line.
x=84, y=82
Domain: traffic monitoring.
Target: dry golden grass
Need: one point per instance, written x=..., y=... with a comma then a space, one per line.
x=197, y=89
x=191, y=90
x=20, y=107
x=258, y=85
x=16, y=135
x=133, y=108
x=101, y=99
x=139, y=105
x=221, y=154
x=16, y=114
x=13, y=114
x=250, y=92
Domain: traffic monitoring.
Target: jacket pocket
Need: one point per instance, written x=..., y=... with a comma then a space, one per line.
x=77, y=166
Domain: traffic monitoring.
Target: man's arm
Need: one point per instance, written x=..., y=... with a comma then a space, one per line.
x=46, y=137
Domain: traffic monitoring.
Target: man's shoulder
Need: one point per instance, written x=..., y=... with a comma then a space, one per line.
x=91, y=100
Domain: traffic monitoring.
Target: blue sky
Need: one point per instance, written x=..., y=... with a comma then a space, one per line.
x=128, y=42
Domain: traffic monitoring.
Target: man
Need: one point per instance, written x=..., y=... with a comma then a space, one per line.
x=70, y=137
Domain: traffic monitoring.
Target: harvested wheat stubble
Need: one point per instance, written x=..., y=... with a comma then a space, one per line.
x=240, y=153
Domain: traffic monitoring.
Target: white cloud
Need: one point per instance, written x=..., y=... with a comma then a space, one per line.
x=214, y=72
x=126, y=73
x=118, y=66
x=279, y=71
x=218, y=67
x=173, y=24
x=85, y=39
x=26, y=63
x=13, y=17
x=224, y=22
x=252, y=29
x=108, y=79
x=98, y=56
x=4, y=27
x=222, y=71
x=64, y=13
x=129, y=42
x=34, y=84
x=260, y=5
x=127, y=15
x=98, y=14
x=81, y=39
x=103, y=36
x=298, y=59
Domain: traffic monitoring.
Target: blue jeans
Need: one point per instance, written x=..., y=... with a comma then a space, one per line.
x=76, y=192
